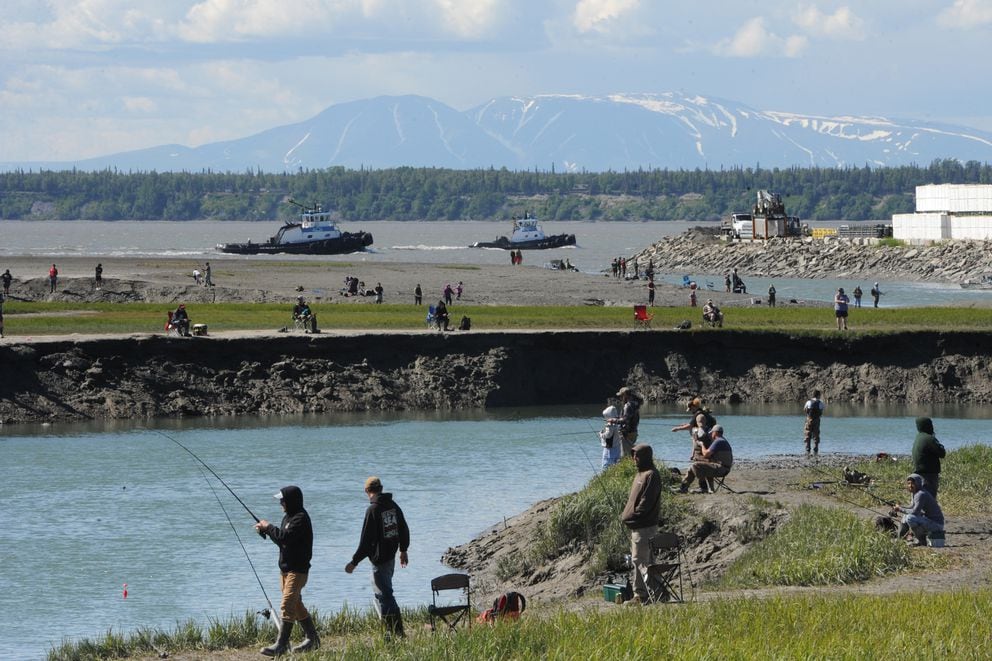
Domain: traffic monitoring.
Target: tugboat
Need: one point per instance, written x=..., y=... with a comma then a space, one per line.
x=314, y=234
x=528, y=235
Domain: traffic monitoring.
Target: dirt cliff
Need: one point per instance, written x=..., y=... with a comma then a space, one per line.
x=156, y=376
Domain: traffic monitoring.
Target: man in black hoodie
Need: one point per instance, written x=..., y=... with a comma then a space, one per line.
x=294, y=537
x=641, y=516
x=383, y=532
x=927, y=453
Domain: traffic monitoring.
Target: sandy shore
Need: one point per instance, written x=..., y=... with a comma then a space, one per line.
x=321, y=281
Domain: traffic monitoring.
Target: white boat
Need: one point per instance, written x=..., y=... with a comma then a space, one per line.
x=528, y=235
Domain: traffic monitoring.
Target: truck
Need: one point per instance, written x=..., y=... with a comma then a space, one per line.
x=766, y=220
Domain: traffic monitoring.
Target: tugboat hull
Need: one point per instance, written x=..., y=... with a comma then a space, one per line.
x=503, y=243
x=346, y=243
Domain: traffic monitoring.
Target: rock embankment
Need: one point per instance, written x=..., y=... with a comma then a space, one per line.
x=829, y=257
x=156, y=376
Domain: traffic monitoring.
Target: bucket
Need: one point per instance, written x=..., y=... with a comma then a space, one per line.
x=936, y=539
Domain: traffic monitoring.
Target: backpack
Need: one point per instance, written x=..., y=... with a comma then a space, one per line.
x=466, y=324
x=507, y=605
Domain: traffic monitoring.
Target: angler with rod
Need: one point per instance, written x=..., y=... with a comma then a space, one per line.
x=294, y=537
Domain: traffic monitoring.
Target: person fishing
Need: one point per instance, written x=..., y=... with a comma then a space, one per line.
x=629, y=419
x=294, y=537
x=927, y=453
x=922, y=515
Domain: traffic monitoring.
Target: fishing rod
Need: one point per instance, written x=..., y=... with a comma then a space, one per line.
x=219, y=478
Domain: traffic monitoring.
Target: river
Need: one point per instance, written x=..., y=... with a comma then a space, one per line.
x=89, y=507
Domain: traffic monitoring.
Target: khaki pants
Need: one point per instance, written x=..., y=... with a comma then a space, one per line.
x=627, y=444
x=292, y=607
x=641, y=557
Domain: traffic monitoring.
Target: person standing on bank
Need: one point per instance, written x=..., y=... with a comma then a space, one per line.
x=384, y=531
x=418, y=295
x=641, y=515
x=811, y=431
x=53, y=279
x=7, y=278
x=771, y=296
x=208, y=280
x=294, y=537
x=98, y=273
x=875, y=293
x=651, y=291
x=927, y=453
x=630, y=418
x=840, y=308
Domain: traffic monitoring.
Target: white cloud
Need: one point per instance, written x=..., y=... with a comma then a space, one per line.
x=842, y=24
x=966, y=14
x=138, y=104
x=469, y=18
x=595, y=15
x=754, y=39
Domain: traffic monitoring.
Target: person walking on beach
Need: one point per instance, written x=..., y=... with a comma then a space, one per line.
x=840, y=308
x=98, y=273
x=53, y=279
x=811, y=431
x=927, y=453
x=418, y=295
x=294, y=537
x=7, y=278
x=384, y=531
x=641, y=515
x=458, y=291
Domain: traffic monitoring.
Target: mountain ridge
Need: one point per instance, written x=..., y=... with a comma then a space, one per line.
x=666, y=130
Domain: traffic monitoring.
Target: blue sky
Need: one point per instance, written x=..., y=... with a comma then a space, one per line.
x=83, y=78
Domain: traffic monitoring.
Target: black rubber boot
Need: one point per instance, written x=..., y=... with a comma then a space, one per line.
x=311, y=640
x=394, y=625
x=281, y=646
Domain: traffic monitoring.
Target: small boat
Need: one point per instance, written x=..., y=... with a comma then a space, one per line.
x=314, y=234
x=528, y=235
x=985, y=282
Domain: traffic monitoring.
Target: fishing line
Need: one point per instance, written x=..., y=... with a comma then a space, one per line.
x=270, y=613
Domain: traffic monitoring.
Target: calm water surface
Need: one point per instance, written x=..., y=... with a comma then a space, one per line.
x=89, y=508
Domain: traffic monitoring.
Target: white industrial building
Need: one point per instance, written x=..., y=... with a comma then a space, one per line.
x=947, y=211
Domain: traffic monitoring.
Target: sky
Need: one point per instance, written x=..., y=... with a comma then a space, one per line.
x=86, y=78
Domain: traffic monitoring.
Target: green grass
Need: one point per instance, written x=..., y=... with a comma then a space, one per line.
x=965, y=482
x=818, y=546
x=781, y=627
x=891, y=243
x=45, y=318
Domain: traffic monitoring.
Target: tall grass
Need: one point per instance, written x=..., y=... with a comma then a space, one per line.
x=591, y=517
x=818, y=546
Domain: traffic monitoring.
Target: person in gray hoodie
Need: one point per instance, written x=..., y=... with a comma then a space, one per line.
x=927, y=453
x=641, y=516
x=922, y=515
x=294, y=537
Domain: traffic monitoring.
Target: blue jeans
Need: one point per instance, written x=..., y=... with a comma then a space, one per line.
x=914, y=521
x=382, y=588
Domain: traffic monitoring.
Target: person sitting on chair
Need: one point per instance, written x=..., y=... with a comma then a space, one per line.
x=441, y=312
x=712, y=314
x=715, y=461
x=180, y=320
x=302, y=312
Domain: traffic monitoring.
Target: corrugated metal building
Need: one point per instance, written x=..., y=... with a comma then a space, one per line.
x=947, y=211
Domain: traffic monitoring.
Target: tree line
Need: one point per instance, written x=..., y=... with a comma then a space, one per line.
x=406, y=193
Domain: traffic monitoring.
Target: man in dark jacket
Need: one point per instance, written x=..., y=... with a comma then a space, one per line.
x=927, y=453
x=384, y=531
x=294, y=537
x=630, y=418
x=641, y=516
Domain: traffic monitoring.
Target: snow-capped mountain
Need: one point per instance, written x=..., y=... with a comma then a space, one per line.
x=619, y=131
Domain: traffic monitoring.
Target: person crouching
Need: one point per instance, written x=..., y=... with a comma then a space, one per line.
x=923, y=515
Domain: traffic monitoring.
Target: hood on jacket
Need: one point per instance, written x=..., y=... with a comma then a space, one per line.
x=644, y=456
x=924, y=425
x=293, y=497
x=610, y=412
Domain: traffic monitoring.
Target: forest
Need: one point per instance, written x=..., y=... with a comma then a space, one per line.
x=855, y=193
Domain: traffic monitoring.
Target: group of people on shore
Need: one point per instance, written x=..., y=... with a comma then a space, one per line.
x=204, y=277
x=384, y=533
x=842, y=302
x=712, y=458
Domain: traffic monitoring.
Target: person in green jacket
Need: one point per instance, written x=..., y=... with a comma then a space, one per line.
x=927, y=453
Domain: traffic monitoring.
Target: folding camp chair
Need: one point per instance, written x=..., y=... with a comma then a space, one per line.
x=450, y=614
x=642, y=317
x=664, y=575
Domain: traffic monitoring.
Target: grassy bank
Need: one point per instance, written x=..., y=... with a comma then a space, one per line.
x=941, y=625
x=49, y=318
